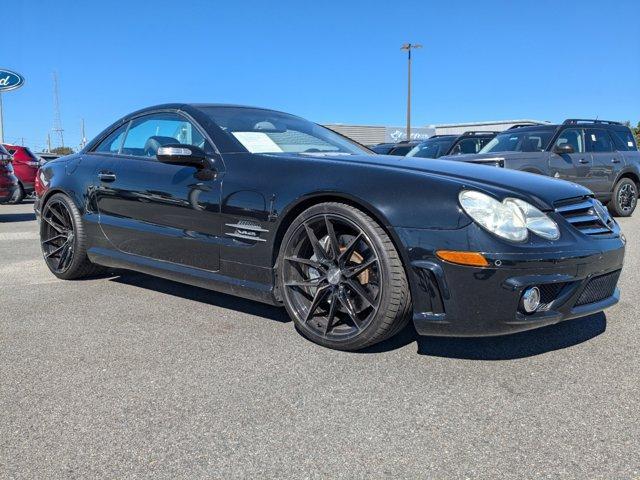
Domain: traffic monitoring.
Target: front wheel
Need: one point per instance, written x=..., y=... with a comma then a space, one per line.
x=341, y=278
x=625, y=198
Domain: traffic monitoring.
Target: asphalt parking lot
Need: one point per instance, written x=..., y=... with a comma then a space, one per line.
x=132, y=376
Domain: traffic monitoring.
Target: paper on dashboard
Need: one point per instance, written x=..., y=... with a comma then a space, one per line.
x=257, y=142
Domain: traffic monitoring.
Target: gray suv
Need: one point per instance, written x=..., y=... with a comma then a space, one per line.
x=599, y=154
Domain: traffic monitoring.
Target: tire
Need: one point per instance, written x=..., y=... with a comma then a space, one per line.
x=63, y=240
x=18, y=196
x=341, y=278
x=625, y=198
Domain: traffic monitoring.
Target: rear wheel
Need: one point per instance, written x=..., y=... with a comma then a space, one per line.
x=63, y=240
x=625, y=198
x=341, y=278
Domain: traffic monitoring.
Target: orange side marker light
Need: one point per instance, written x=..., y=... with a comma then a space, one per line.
x=474, y=259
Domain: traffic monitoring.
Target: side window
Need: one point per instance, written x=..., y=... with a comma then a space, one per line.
x=598, y=141
x=533, y=143
x=484, y=141
x=623, y=139
x=112, y=143
x=573, y=137
x=466, y=145
x=151, y=132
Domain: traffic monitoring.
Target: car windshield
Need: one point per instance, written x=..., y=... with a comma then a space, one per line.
x=432, y=148
x=382, y=149
x=25, y=151
x=266, y=131
x=519, y=141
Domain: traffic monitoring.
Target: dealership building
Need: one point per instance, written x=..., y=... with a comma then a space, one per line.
x=374, y=134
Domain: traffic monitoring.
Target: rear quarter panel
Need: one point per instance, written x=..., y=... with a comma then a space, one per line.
x=632, y=161
x=75, y=177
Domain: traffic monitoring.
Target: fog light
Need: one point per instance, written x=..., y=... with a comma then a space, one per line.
x=530, y=300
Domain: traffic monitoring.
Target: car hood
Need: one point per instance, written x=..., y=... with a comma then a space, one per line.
x=501, y=182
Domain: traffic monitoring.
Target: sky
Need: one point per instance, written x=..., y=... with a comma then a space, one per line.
x=328, y=61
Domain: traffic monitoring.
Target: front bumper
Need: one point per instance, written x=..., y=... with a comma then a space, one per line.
x=29, y=187
x=456, y=300
x=36, y=207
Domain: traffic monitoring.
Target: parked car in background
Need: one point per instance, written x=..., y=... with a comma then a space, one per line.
x=25, y=166
x=8, y=181
x=398, y=149
x=598, y=154
x=271, y=207
x=47, y=157
x=440, y=145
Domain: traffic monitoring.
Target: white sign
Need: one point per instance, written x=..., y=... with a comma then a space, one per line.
x=257, y=142
x=399, y=134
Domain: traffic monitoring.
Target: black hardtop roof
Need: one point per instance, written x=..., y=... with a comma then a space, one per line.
x=198, y=106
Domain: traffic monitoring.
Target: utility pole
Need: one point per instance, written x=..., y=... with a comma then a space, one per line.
x=83, y=138
x=57, y=120
x=48, y=142
x=408, y=47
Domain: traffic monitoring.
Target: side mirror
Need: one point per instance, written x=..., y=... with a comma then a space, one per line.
x=563, y=149
x=187, y=155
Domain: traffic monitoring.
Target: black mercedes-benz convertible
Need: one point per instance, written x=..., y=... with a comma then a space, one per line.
x=268, y=206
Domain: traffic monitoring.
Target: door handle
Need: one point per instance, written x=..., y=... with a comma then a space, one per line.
x=583, y=160
x=615, y=160
x=107, y=176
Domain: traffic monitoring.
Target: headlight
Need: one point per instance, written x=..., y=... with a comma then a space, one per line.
x=536, y=221
x=510, y=219
x=498, y=218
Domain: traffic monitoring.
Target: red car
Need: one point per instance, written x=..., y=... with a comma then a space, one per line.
x=25, y=166
x=8, y=181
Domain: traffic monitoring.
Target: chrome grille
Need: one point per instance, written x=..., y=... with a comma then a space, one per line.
x=587, y=215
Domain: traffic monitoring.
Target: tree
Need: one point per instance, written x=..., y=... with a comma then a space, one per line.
x=62, y=150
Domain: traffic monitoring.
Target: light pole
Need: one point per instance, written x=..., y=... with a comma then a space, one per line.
x=408, y=47
x=1, y=120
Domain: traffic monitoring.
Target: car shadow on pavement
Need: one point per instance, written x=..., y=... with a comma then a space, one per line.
x=202, y=295
x=17, y=217
x=505, y=347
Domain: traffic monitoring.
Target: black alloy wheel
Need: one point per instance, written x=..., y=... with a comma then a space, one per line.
x=63, y=240
x=58, y=236
x=341, y=278
x=625, y=198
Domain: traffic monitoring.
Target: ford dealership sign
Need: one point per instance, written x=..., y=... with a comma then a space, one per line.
x=10, y=80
